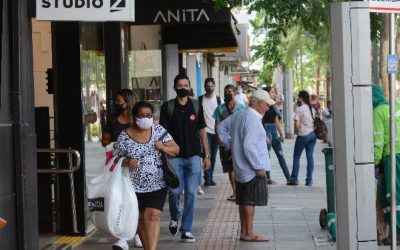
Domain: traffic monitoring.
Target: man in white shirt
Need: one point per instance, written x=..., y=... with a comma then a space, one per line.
x=210, y=102
x=240, y=96
x=243, y=133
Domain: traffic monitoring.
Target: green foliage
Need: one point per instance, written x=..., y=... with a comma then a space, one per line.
x=290, y=30
x=95, y=130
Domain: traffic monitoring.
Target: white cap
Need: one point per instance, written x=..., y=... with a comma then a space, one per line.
x=263, y=95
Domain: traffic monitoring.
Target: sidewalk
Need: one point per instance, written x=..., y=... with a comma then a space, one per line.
x=290, y=220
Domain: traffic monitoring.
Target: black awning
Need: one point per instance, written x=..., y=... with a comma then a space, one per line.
x=192, y=24
x=200, y=36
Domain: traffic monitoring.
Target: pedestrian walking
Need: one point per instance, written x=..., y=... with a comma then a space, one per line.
x=244, y=135
x=184, y=119
x=140, y=144
x=210, y=101
x=381, y=114
x=272, y=125
x=306, y=138
x=222, y=112
x=122, y=119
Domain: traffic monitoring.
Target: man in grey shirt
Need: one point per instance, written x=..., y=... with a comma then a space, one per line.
x=244, y=135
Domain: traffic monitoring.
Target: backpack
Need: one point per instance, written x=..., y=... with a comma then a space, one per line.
x=320, y=129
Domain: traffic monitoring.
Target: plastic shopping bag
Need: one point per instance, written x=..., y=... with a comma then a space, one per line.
x=112, y=201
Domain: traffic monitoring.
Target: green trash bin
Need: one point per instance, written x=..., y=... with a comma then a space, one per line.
x=330, y=187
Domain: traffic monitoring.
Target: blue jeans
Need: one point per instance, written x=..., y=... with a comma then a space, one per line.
x=213, y=148
x=189, y=173
x=270, y=129
x=304, y=142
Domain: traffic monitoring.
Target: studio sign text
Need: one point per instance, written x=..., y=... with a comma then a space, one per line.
x=85, y=10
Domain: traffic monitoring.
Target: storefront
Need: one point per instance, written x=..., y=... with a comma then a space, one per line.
x=90, y=61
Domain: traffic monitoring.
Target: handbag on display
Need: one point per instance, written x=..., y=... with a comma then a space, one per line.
x=153, y=94
x=170, y=176
x=139, y=92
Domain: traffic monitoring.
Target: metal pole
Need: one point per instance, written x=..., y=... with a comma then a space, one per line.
x=72, y=187
x=392, y=80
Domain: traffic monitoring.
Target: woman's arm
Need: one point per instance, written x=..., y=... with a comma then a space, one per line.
x=105, y=139
x=296, y=126
x=170, y=148
x=278, y=126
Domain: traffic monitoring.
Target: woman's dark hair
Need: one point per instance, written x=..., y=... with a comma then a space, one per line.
x=207, y=80
x=268, y=88
x=128, y=97
x=180, y=77
x=306, y=99
x=142, y=104
x=231, y=87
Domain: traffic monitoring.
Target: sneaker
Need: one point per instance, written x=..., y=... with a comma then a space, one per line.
x=120, y=245
x=137, y=242
x=270, y=181
x=207, y=183
x=309, y=183
x=200, y=191
x=173, y=227
x=188, y=237
x=213, y=183
x=293, y=183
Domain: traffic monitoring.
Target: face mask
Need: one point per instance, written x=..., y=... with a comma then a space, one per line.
x=209, y=90
x=119, y=109
x=227, y=97
x=144, y=123
x=182, y=92
x=298, y=103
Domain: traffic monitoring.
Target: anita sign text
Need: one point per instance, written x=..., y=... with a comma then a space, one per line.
x=85, y=10
x=181, y=16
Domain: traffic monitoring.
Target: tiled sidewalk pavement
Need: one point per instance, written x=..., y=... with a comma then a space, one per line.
x=290, y=220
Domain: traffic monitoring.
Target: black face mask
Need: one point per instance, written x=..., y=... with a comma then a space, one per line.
x=298, y=103
x=182, y=92
x=119, y=109
x=227, y=97
x=209, y=90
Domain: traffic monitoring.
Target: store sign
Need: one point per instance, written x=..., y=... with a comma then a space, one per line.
x=388, y=6
x=179, y=12
x=181, y=16
x=85, y=10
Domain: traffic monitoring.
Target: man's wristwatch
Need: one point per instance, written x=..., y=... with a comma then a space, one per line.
x=207, y=156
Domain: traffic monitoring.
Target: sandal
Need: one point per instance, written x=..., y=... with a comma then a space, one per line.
x=232, y=198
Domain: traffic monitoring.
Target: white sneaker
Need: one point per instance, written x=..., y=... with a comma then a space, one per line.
x=200, y=191
x=120, y=245
x=137, y=242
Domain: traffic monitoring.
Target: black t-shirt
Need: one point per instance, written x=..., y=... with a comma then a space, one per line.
x=270, y=115
x=184, y=127
x=114, y=128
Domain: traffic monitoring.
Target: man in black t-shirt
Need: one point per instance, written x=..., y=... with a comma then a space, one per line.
x=184, y=120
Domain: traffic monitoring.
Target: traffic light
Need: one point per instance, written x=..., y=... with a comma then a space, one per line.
x=50, y=81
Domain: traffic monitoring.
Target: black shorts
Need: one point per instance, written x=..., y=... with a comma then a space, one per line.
x=252, y=193
x=154, y=199
x=226, y=160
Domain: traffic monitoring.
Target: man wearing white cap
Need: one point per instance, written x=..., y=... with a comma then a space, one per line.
x=244, y=135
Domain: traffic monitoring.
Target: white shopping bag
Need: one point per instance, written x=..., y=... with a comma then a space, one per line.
x=112, y=201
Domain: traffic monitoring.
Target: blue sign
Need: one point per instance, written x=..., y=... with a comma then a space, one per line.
x=392, y=64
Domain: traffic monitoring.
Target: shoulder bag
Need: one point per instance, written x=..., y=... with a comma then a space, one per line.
x=170, y=176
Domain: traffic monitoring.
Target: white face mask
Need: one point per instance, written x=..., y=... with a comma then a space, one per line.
x=144, y=123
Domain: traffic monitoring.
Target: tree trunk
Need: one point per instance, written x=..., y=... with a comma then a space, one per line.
x=384, y=51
